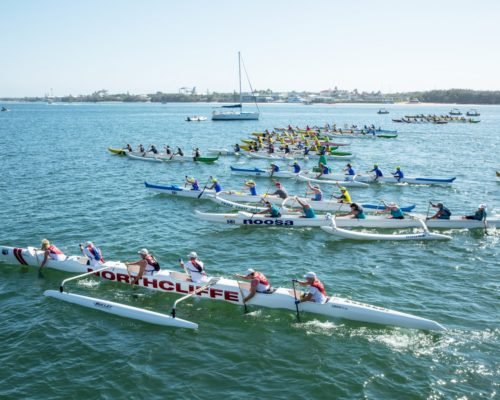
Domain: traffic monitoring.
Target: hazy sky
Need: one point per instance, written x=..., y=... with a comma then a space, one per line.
x=77, y=47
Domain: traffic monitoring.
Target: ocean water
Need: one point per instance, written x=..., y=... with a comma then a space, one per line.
x=59, y=182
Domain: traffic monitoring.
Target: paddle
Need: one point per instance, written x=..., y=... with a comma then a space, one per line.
x=243, y=298
x=206, y=184
x=295, y=296
x=428, y=208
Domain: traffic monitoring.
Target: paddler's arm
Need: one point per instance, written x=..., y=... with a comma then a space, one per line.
x=253, y=290
x=45, y=259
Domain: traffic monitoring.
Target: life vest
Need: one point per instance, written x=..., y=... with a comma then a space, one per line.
x=318, y=285
x=445, y=213
x=263, y=282
x=54, y=250
x=152, y=262
x=94, y=253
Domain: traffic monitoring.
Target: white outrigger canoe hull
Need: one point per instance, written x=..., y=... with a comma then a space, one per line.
x=227, y=290
x=382, y=222
x=121, y=310
x=392, y=180
x=328, y=181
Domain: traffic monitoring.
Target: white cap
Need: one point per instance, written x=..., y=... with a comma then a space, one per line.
x=482, y=206
x=310, y=275
x=392, y=204
x=143, y=251
x=192, y=255
x=250, y=271
x=89, y=243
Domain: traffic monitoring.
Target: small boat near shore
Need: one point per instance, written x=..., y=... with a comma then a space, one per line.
x=196, y=118
x=227, y=290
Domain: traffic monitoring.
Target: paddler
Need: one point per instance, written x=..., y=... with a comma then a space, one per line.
x=479, y=215
x=237, y=148
x=323, y=170
x=322, y=159
x=356, y=212
x=378, y=173
x=258, y=283
x=50, y=252
x=344, y=197
x=274, y=168
x=129, y=148
x=194, y=268
x=280, y=191
x=272, y=210
x=215, y=185
x=349, y=170
x=316, y=294
x=442, y=212
x=153, y=149
x=93, y=253
x=179, y=152
x=394, y=210
x=147, y=264
x=196, y=153
x=251, y=185
x=306, y=208
x=316, y=190
x=296, y=167
x=193, y=182
x=398, y=174
x=168, y=150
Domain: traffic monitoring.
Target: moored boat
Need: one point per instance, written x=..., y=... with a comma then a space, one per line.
x=232, y=291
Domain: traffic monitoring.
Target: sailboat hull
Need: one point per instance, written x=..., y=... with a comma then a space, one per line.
x=235, y=116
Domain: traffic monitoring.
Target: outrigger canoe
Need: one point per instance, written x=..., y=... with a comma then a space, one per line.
x=371, y=221
x=161, y=157
x=393, y=180
x=236, y=196
x=228, y=290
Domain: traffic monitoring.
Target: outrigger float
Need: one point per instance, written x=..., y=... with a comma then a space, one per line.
x=228, y=290
x=348, y=234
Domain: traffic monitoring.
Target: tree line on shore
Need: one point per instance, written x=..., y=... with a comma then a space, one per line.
x=458, y=96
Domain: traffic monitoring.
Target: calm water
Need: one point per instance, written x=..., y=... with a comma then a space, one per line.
x=58, y=181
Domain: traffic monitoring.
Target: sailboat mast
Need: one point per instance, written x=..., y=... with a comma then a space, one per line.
x=239, y=75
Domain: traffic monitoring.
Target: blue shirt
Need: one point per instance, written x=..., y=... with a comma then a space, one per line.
x=377, y=172
x=253, y=190
x=275, y=211
x=398, y=174
x=275, y=168
x=309, y=212
x=318, y=196
x=350, y=171
x=195, y=186
x=296, y=168
x=397, y=213
x=217, y=187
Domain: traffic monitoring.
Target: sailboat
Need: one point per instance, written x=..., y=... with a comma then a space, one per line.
x=238, y=114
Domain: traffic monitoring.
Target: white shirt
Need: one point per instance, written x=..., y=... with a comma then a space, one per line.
x=317, y=296
x=196, y=276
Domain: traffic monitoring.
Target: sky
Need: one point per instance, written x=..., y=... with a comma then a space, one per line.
x=81, y=46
